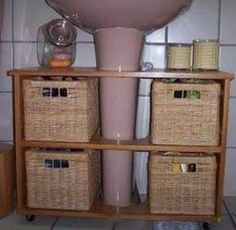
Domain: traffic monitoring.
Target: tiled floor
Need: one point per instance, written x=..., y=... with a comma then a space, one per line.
x=18, y=222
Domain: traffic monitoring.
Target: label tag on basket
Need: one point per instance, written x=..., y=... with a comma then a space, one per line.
x=46, y=92
x=187, y=94
x=183, y=168
x=48, y=163
x=54, y=92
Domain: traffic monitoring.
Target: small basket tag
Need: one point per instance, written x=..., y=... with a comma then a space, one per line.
x=54, y=92
x=49, y=163
x=187, y=94
x=183, y=168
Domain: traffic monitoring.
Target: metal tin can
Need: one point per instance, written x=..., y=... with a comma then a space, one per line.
x=179, y=56
x=205, y=55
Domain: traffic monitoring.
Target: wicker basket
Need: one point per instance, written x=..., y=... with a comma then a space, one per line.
x=185, y=113
x=61, y=179
x=61, y=110
x=174, y=189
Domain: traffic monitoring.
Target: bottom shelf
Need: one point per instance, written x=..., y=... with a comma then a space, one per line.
x=102, y=211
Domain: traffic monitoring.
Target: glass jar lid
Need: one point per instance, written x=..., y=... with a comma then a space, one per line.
x=179, y=45
x=60, y=32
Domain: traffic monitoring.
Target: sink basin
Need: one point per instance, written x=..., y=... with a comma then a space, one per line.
x=145, y=15
x=119, y=28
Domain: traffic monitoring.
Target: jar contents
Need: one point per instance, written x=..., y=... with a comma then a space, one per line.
x=56, y=44
x=60, y=60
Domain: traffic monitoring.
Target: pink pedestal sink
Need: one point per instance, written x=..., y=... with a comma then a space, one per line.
x=118, y=107
x=119, y=28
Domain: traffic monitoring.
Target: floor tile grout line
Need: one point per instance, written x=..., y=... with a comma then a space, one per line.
x=229, y=214
x=114, y=225
x=54, y=223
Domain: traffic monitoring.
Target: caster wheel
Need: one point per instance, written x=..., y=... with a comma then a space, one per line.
x=206, y=226
x=30, y=218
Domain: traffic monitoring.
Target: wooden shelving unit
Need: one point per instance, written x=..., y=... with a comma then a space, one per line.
x=100, y=210
x=134, y=212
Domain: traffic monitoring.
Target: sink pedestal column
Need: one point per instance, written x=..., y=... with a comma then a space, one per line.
x=118, y=49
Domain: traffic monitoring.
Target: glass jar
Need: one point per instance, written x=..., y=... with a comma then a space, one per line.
x=178, y=56
x=56, y=44
x=205, y=55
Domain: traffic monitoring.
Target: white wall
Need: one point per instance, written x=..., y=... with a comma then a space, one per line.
x=207, y=19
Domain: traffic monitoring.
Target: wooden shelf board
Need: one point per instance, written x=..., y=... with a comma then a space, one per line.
x=138, y=145
x=93, y=72
x=102, y=211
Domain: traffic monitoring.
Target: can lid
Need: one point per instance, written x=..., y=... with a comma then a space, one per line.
x=60, y=32
x=206, y=40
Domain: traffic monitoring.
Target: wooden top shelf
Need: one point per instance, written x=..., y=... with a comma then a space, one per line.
x=134, y=145
x=93, y=72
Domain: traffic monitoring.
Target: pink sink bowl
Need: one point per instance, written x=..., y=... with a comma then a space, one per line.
x=144, y=15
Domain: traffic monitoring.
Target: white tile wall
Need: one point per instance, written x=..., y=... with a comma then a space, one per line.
x=228, y=30
x=28, y=16
x=156, y=36
x=6, y=60
x=230, y=172
x=227, y=63
x=155, y=55
x=201, y=21
x=25, y=55
x=85, y=56
x=232, y=124
x=6, y=34
x=83, y=36
x=6, y=132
